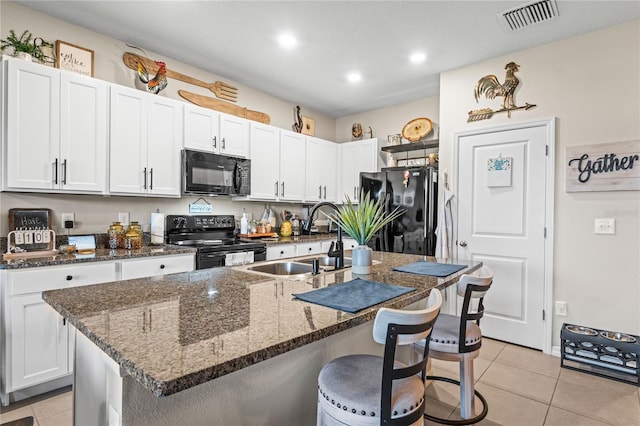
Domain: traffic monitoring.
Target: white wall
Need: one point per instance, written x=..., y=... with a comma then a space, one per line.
x=591, y=83
x=390, y=120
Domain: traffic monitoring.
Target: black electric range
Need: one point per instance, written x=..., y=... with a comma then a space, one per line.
x=215, y=238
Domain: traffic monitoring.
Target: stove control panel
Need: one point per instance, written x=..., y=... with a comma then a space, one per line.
x=200, y=222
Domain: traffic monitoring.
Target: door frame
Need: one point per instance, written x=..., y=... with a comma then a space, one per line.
x=550, y=124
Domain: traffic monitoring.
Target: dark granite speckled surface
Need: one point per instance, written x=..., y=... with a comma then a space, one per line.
x=177, y=331
x=100, y=255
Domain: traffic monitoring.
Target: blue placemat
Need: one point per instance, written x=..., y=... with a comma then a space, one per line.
x=433, y=269
x=353, y=295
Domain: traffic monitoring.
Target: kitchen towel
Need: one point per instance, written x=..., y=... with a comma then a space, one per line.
x=433, y=269
x=353, y=295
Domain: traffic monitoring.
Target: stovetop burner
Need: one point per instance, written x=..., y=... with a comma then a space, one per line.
x=207, y=233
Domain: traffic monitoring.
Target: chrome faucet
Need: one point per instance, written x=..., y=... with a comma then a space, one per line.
x=338, y=252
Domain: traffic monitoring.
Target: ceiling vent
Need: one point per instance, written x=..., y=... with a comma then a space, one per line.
x=528, y=14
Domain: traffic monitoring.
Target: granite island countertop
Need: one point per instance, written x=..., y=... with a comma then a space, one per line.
x=174, y=332
x=100, y=255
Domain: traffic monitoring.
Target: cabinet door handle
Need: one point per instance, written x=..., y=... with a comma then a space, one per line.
x=64, y=321
x=355, y=190
x=69, y=277
x=55, y=171
x=144, y=172
x=215, y=141
x=64, y=172
x=223, y=144
x=282, y=189
x=162, y=266
x=276, y=192
x=320, y=192
x=151, y=178
x=325, y=192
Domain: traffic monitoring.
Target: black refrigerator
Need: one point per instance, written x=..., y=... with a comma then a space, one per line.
x=414, y=190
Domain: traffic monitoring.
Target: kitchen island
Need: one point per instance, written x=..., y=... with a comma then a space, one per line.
x=217, y=346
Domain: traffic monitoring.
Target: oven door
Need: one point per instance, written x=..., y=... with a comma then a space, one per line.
x=229, y=258
x=211, y=174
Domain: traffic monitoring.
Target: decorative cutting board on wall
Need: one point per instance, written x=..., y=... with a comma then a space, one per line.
x=603, y=167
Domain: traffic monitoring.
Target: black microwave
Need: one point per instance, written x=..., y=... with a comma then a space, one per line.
x=205, y=173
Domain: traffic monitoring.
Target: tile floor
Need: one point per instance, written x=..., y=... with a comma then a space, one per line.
x=523, y=387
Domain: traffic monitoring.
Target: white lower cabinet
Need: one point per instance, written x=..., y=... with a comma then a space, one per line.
x=308, y=248
x=153, y=266
x=37, y=344
x=281, y=251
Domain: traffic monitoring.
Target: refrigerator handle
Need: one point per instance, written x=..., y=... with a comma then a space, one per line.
x=385, y=229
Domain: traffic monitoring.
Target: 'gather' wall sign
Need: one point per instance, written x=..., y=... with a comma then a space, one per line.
x=604, y=167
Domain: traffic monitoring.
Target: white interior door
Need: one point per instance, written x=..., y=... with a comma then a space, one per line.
x=501, y=222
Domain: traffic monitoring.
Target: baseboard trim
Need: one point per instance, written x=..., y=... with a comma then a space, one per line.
x=555, y=351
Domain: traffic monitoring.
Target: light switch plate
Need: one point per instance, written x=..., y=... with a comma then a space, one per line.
x=123, y=218
x=604, y=225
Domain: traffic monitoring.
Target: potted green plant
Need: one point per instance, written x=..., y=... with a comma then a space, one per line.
x=25, y=46
x=361, y=222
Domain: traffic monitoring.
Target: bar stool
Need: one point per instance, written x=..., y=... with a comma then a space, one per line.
x=459, y=339
x=373, y=390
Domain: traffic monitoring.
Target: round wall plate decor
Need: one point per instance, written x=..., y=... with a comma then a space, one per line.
x=416, y=129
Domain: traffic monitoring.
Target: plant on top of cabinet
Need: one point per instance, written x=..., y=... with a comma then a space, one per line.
x=25, y=46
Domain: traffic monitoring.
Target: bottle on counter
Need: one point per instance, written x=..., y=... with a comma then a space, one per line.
x=244, y=224
x=116, y=235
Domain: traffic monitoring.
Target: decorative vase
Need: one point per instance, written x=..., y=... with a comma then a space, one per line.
x=23, y=55
x=361, y=260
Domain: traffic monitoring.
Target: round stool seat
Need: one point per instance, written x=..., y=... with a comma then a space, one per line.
x=350, y=388
x=445, y=336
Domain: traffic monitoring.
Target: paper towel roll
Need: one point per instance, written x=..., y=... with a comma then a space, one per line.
x=157, y=228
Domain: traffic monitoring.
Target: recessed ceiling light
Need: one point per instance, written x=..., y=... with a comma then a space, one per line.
x=287, y=40
x=354, y=77
x=418, y=57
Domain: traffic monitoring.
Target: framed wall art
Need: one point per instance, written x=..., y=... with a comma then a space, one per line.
x=74, y=58
x=308, y=126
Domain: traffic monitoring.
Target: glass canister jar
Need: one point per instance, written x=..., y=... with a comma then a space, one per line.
x=134, y=237
x=116, y=235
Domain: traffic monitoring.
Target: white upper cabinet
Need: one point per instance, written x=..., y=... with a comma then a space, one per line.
x=212, y=131
x=321, y=170
x=292, y=164
x=356, y=157
x=201, y=128
x=145, y=143
x=55, y=129
x=277, y=164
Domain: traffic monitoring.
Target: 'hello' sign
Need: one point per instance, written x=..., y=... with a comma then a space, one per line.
x=604, y=167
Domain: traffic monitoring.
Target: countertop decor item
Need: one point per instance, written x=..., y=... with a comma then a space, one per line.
x=417, y=129
x=361, y=222
x=74, y=58
x=26, y=46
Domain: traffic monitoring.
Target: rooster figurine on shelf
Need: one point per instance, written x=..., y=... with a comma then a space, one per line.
x=158, y=82
x=491, y=87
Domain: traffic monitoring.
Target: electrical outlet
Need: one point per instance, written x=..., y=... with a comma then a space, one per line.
x=67, y=217
x=561, y=309
x=604, y=225
x=123, y=218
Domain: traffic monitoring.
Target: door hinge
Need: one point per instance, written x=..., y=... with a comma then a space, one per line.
x=544, y=315
x=546, y=150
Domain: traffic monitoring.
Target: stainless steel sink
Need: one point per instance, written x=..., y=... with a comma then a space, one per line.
x=282, y=268
x=325, y=261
